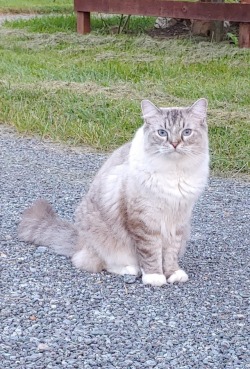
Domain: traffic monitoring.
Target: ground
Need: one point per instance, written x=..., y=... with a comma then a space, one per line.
x=54, y=316
x=182, y=29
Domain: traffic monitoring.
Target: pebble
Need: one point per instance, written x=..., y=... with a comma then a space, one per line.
x=41, y=249
x=43, y=347
x=129, y=279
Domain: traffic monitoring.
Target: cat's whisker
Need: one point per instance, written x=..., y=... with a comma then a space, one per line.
x=192, y=153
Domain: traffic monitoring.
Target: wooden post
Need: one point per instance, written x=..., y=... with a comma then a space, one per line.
x=217, y=33
x=244, y=35
x=244, y=31
x=83, y=22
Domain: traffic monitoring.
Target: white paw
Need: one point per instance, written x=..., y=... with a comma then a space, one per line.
x=178, y=276
x=154, y=279
x=130, y=269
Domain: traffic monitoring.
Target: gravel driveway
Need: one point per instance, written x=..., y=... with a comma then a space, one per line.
x=13, y=17
x=54, y=316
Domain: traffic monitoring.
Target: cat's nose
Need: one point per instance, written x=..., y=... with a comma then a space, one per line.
x=175, y=144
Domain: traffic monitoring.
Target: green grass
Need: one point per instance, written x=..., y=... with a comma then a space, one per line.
x=87, y=89
x=104, y=25
x=35, y=6
x=45, y=24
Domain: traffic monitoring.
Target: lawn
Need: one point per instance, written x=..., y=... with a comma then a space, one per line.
x=87, y=89
x=35, y=6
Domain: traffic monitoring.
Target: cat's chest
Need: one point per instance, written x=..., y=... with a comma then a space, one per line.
x=172, y=188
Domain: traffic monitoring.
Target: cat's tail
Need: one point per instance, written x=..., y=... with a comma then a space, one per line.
x=42, y=226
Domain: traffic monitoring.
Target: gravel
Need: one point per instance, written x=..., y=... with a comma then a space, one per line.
x=54, y=316
x=14, y=17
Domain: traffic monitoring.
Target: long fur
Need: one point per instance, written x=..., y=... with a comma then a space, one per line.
x=136, y=215
x=41, y=225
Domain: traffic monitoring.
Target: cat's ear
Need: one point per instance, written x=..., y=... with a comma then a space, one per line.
x=148, y=109
x=199, y=108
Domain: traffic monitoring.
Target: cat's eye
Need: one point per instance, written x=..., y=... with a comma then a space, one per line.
x=187, y=132
x=162, y=133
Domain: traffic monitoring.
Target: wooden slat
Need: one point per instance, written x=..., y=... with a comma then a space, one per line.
x=172, y=9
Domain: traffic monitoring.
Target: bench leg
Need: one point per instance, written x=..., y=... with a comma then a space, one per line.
x=83, y=22
x=244, y=35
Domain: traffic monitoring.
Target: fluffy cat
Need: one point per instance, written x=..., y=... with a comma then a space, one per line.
x=136, y=215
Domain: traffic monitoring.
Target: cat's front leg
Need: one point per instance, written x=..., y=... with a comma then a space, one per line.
x=172, y=249
x=150, y=259
x=146, y=234
x=171, y=268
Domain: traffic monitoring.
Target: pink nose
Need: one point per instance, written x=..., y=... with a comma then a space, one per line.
x=175, y=144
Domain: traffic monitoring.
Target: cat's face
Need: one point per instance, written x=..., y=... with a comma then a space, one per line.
x=175, y=131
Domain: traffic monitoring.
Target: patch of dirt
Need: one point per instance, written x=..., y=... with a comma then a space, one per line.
x=183, y=29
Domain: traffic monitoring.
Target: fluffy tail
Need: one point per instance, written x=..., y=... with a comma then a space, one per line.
x=41, y=226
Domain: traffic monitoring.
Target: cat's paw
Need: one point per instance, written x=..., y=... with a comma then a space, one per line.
x=178, y=276
x=154, y=279
x=130, y=270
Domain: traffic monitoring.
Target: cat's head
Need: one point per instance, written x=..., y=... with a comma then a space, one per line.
x=175, y=131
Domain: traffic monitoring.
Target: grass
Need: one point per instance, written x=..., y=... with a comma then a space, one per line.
x=35, y=6
x=87, y=89
x=103, y=25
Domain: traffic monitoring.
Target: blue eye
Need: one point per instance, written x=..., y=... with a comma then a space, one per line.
x=162, y=133
x=187, y=132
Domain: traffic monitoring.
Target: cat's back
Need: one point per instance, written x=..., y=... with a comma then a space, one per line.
x=107, y=184
x=118, y=159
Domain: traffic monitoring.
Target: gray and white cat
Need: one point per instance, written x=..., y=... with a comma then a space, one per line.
x=136, y=215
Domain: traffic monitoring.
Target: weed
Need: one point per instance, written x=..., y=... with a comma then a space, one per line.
x=233, y=38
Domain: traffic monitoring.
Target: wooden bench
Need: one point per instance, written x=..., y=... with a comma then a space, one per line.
x=214, y=11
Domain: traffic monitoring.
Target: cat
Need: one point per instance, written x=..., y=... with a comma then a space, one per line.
x=135, y=218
